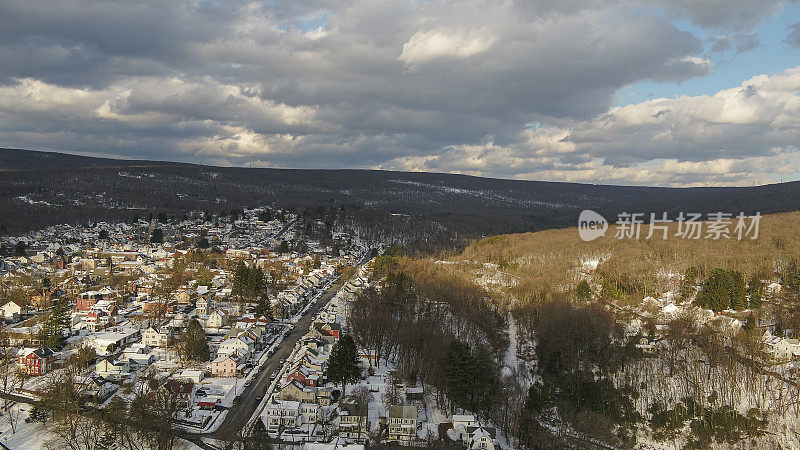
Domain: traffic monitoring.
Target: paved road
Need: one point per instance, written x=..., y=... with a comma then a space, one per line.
x=246, y=403
x=285, y=229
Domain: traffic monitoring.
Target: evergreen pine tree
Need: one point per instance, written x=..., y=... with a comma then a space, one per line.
x=157, y=236
x=738, y=292
x=457, y=370
x=791, y=278
x=485, y=381
x=343, y=364
x=583, y=291
x=717, y=290
x=203, y=243
x=193, y=344
x=52, y=332
x=263, y=306
x=283, y=247
x=689, y=282
x=756, y=291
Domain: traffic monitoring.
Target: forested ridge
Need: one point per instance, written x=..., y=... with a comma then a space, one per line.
x=38, y=189
x=615, y=342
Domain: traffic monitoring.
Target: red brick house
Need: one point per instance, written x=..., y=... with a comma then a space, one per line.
x=304, y=376
x=35, y=361
x=87, y=299
x=330, y=329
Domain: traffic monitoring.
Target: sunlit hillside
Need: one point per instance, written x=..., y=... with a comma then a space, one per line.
x=533, y=265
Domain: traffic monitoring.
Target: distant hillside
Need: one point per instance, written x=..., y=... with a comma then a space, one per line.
x=530, y=267
x=38, y=189
x=11, y=159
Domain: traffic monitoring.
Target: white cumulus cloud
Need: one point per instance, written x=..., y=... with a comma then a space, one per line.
x=426, y=45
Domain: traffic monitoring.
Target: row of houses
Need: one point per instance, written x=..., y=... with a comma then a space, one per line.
x=301, y=390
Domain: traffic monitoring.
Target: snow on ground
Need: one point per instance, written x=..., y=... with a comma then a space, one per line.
x=489, y=276
x=510, y=361
x=226, y=389
x=28, y=435
x=183, y=444
x=590, y=263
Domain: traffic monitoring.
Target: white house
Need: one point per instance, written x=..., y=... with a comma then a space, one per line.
x=234, y=345
x=289, y=414
x=12, y=309
x=113, y=339
x=139, y=359
x=217, y=319
x=99, y=388
x=782, y=349
x=481, y=438
x=203, y=307
x=156, y=337
x=193, y=375
x=460, y=424
x=107, y=368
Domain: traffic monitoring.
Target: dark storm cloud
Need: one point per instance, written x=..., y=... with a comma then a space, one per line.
x=404, y=84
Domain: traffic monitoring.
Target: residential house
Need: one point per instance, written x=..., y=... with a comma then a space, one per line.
x=309, y=359
x=331, y=329
x=482, y=438
x=35, y=361
x=462, y=424
x=157, y=337
x=305, y=376
x=225, y=365
x=289, y=414
x=97, y=320
x=181, y=391
x=113, y=338
x=43, y=299
x=313, y=344
x=309, y=413
x=781, y=349
x=99, y=389
x=241, y=345
x=108, y=307
x=415, y=394
x=183, y=297
x=402, y=423
x=217, y=319
x=324, y=396
x=12, y=309
x=88, y=299
x=317, y=333
x=193, y=375
x=294, y=390
x=108, y=368
x=353, y=420
x=139, y=359
x=646, y=346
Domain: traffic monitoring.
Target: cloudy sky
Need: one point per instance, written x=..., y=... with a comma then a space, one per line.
x=657, y=92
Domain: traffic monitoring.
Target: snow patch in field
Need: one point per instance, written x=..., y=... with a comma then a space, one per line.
x=590, y=263
x=510, y=361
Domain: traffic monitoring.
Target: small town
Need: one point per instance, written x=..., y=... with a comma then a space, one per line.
x=225, y=325
x=437, y=224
